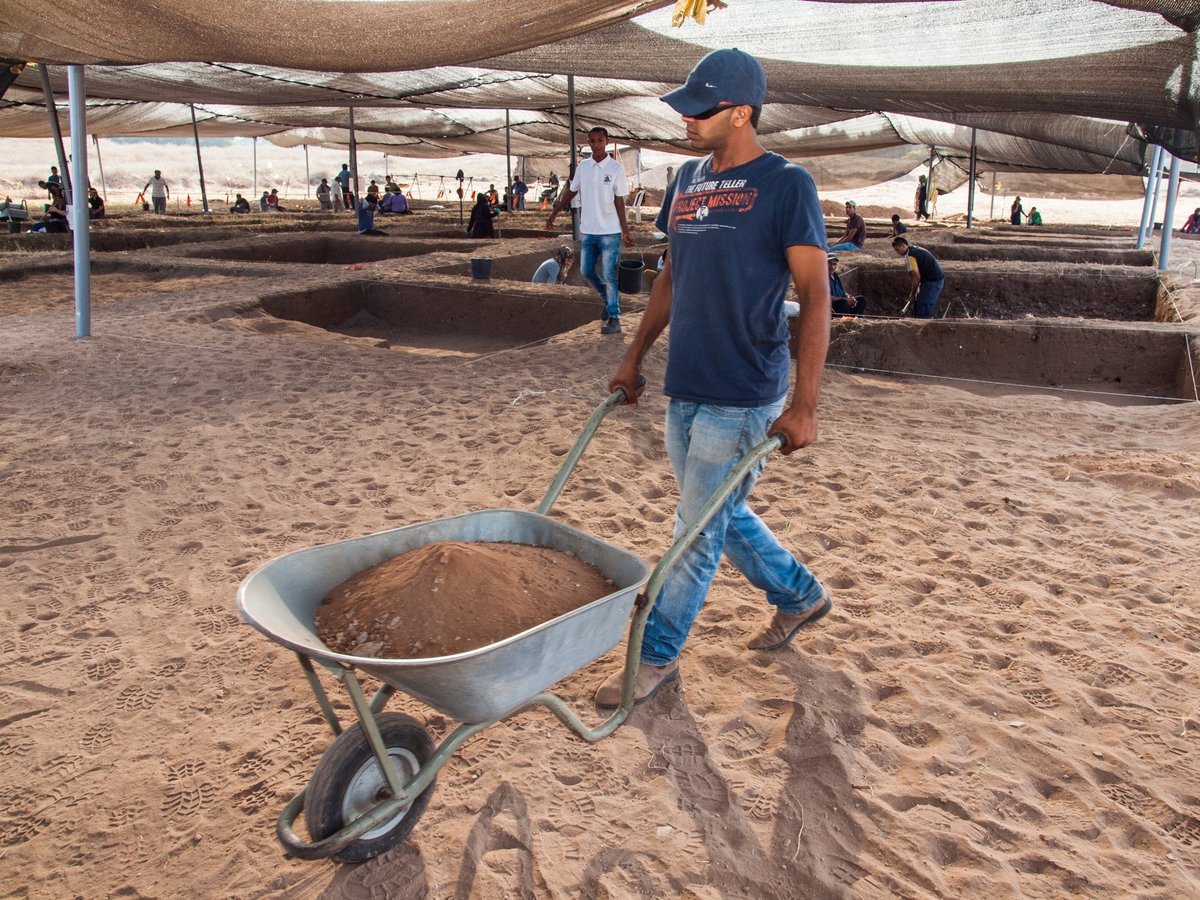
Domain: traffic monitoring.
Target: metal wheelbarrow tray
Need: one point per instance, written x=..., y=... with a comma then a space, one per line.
x=280, y=599
x=374, y=781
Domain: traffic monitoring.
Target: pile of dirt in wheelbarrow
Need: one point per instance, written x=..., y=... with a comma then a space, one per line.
x=449, y=597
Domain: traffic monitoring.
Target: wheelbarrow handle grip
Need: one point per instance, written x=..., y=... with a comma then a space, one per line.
x=641, y=383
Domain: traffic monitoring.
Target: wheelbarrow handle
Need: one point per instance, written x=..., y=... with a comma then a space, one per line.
x=615, y=399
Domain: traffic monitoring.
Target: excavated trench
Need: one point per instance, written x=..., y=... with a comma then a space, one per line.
x=999, y=289
x=325, y=249
x=464, y=319
x=1115, y=363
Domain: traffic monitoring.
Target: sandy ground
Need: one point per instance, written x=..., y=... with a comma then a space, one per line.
x=1004, y=701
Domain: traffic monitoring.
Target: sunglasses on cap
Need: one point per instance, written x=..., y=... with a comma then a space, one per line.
x=719, y=108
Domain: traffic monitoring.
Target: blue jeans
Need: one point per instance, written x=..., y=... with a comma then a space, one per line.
x=927, y=298
x=605, y=248
x=840, y=248
x=704, y=443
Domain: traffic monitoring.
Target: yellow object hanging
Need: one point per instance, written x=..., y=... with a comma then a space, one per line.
x=694, y=9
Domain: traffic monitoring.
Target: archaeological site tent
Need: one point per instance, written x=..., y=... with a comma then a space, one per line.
x=1032, y=85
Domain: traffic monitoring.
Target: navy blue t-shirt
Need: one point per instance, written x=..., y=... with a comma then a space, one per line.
x=729, y=233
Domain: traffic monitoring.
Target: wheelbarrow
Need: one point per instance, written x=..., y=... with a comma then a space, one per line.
x=375, y=780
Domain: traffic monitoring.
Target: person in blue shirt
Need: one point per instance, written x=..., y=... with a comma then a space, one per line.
x=555, y=269
x=343, y=180
x=843, y=303
x=366, y=216
x=394, y=203
x=744, y=224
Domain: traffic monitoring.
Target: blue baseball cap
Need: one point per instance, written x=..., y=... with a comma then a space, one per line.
x=723, y=76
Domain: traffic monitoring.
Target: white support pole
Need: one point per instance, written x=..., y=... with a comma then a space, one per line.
x=353, y=156
x=508, y=191
x=1164, y=250
x=573, y=153
x=254, y=145
x=971, y=181
x=1156, y=178
x=307, y=176
x=82, y=238
x=1144, y=228
x=100, y=164
x=199, y=161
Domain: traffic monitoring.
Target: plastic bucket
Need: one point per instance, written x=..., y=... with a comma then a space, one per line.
x=481, y=269
x=629, y=276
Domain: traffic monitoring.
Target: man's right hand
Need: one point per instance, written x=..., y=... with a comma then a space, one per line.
x=630, y=380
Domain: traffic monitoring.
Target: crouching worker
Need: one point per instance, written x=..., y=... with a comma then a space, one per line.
x=554, y=270
x=843, y=304
x=366, y=216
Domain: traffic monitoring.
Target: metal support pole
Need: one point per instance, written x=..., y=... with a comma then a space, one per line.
x=971, y=181
x=1158, y=173
x=929, y=179
x=1144, y=228
x=992, y=211
x=1164, y=250
x=573, y=151
x=512, y=201
x=55, y=130
x=79, y=213
x=199, y=161
x=307, y=176
x=254, y=144
x=353, y=156
x=100, y=164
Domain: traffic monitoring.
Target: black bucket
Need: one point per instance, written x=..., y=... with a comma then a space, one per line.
x=481, y=269
x=629, y=276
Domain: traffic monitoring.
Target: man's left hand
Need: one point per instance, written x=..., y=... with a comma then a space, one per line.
x=798, y=426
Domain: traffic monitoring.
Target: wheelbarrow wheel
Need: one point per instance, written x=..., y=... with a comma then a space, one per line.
x=347, y=784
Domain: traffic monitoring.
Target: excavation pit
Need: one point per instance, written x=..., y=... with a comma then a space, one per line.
x=1014, y=290
x=521, y=266
x=432, y=319
x=1115, y=363
x=326, y=249
x=1037, y=252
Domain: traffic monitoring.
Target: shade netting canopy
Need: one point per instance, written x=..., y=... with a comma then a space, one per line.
x=1045, y=85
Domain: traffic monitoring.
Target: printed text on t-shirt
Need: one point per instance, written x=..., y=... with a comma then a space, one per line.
x=688, y=206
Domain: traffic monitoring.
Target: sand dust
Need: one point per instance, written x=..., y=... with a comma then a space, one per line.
x=450, y=597
x=1004, y=701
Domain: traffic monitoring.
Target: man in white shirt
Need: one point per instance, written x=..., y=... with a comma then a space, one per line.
x=159, y=192
x=601, y=185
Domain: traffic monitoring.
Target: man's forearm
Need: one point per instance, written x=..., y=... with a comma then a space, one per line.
x=654, y=320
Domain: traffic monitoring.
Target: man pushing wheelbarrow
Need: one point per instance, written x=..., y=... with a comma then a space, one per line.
x=742, y=223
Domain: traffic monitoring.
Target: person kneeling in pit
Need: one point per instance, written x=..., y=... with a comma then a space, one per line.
x=843, y=304
x=555, y=269
x=366, y=216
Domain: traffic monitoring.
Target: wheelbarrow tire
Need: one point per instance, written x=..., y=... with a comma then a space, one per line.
x=347, y=783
